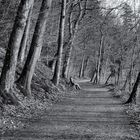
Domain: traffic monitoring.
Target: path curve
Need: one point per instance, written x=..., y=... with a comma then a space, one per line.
x=93, y=114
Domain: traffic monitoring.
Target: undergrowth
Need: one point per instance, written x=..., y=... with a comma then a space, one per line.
x=133, y=110
x=44, y=94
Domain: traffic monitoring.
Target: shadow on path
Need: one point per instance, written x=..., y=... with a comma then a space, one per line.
x=93, y=114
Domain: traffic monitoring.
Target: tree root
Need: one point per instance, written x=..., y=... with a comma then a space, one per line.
x=130, y=101
x=9, y=98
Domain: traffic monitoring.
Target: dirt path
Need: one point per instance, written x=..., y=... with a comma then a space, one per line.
x=93, y=114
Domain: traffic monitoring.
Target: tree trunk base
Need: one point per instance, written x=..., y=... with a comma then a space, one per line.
x=9, y=98
x=25, y=91
x=131, y=101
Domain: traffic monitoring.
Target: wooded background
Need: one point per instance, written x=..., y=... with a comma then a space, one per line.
x=73, y=38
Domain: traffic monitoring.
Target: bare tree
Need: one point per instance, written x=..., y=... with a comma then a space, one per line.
x=85, y=66
x=57, y=70
x=73, y=28
x=81, y=72
x=82, y=67
x=8, y=71
x=101, y=45
x=22, y=49
x=35, y=49
x=100, y=57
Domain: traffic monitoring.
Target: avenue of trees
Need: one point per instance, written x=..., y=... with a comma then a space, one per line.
x=78, y=38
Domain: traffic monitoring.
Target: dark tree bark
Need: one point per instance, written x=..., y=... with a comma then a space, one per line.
x=8, y=71
x=22, y=50
x=35, y=49
x=132, y=98
x=51, y=64
x=57, y=70
x=108, y=79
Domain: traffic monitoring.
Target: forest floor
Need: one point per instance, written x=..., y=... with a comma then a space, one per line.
x=92, y=114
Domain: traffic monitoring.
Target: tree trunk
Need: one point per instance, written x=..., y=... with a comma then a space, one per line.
x=51, y=64
x=23, y=45
x=94, y=77
x=100, y=59
x=125, y=83
x=8, y=71
x=85, y=66
x=132, y=98
x=68, y=46
x=118, y=74
x=128, y=78
x=82, y=67
x=57, y=71
x=108, y=79
x=66, y=61
x=35, y=49
x=131, y=68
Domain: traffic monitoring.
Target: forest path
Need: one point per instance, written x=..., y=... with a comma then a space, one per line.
x=92, y=114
